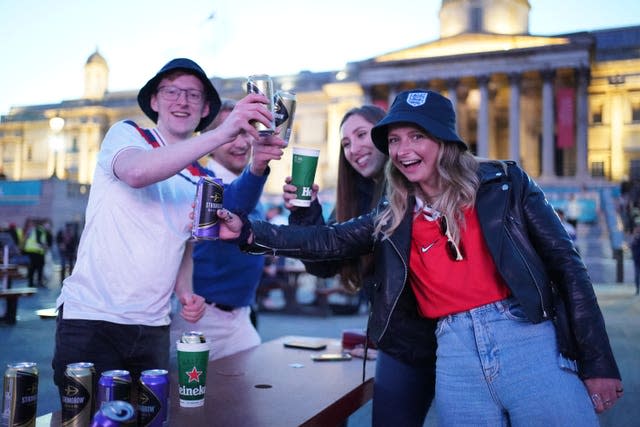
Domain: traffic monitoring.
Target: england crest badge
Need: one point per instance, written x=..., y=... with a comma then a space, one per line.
x=416, y=99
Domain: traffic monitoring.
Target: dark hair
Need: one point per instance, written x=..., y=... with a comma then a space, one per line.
x=225, y=105
x=347, y=201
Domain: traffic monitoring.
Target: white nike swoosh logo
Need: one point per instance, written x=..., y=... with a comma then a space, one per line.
x=426, y=248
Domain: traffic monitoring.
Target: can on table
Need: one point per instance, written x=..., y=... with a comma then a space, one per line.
x=153, y=398
x=262, y=83
x=205, y=216
x=285, y=109
x=116, y=413
x=20, y=395
x=78, y=398
x=193, y=337
x=114, y=385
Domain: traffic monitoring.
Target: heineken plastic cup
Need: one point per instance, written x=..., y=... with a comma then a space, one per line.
x=192, y=373
x=303, y=173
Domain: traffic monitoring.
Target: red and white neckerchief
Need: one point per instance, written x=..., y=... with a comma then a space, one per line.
x=429, y=212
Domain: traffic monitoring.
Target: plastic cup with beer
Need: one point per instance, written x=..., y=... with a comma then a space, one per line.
x=193, y=358
x=303, y=173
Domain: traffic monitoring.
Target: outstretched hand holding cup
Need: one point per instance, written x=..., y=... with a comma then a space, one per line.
x=303, y=173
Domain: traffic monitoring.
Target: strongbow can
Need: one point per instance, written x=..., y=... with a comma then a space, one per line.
x=116, y=413
x=78, y=394
x=114, y=385
x=153, y=398
x=20, y=395
x=285, y=109
x=205, y=215
x=262, y=83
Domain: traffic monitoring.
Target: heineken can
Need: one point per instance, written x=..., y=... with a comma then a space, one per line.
x=116, y=413
x=153, y=398
x=114, y=385
x=20, y=395
x=78, y=398
x=193, y=360
x=285, y=109
x=205, y=216
x=262, y=83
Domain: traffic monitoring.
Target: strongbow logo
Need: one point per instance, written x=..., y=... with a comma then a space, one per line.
x=416, y=99
x=194, y=375
x=71, y=390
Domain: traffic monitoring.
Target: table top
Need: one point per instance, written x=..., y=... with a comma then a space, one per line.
x=271, y=385
x=18, y=291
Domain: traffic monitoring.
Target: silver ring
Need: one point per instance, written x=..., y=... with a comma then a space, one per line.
x=607, y=402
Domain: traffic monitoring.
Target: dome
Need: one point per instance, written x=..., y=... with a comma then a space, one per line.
x=96, y=58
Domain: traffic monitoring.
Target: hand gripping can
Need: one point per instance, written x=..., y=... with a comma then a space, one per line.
x=205, y=215
x=285, y=109
x=78, y=394
x=20, y=395
x=262, y=83
x=114, y=385
x=153, y=398
x=116, y=413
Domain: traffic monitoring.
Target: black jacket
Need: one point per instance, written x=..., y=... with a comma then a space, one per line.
x=528, y=244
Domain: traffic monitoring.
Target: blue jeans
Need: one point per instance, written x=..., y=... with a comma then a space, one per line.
x=402, y=393
x=109, y=346
x=496, y=368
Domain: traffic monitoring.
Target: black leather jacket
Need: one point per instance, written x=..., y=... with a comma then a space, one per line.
x=529, y=246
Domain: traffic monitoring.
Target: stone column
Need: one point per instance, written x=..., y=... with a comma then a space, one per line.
x=582, y=120
x=514, y=116
x=548, y=125
x=483, y=117
x=452, y=94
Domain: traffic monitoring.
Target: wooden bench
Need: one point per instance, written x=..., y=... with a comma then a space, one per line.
x=12, y=295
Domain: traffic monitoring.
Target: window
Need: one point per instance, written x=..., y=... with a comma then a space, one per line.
x=597, y=169
x=596, y=115
x=634, y=170
x=635, y=113
x=476, y=20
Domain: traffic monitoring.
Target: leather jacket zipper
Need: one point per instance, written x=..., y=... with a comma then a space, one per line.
x=395, y=302
x=506, y=229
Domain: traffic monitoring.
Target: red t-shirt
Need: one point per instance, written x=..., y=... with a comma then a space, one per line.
x=443, y=286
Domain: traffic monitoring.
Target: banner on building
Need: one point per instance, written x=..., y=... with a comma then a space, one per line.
x=565, y=120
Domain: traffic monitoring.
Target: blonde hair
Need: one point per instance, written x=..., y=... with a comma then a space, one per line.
x=457, y=184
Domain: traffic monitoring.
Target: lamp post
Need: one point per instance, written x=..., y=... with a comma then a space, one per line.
x=56, y=124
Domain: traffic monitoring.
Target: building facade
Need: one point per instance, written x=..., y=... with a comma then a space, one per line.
x=566, y=107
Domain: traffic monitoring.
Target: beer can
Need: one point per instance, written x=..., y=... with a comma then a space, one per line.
x=20, y=395
x=193, y=337
x=262, y=83
x=285, y=109
x=205, y=216
x=78, y=398
x=116, y=413
x=114, y=385
x=153, y=398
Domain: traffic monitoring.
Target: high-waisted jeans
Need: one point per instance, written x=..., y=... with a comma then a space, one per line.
x=496, y=368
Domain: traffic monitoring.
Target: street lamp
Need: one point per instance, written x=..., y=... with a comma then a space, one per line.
x=57, y=144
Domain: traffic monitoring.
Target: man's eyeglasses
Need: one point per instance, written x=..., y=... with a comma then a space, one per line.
x=452, y=249
x=172, y=93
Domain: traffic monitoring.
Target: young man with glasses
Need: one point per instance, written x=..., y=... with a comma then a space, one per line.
x=134, y=253
x=520, y=337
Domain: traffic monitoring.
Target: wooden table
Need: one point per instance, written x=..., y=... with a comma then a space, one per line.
x=12, y=295
x=273, y=386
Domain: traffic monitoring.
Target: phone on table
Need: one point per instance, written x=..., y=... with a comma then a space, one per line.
x=306, y=344
x=331, y=357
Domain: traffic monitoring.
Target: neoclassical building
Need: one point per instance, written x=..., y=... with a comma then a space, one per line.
x=566, y=107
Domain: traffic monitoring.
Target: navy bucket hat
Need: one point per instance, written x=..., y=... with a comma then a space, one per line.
x=424, y=108
x=187, y=65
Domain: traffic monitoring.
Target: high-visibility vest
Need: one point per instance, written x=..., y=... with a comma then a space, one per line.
x=32, y=245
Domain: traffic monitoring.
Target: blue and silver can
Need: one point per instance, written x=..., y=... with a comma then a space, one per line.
x=116, y=413
x=114, y=385
x=153, y=398
x=205, y=216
